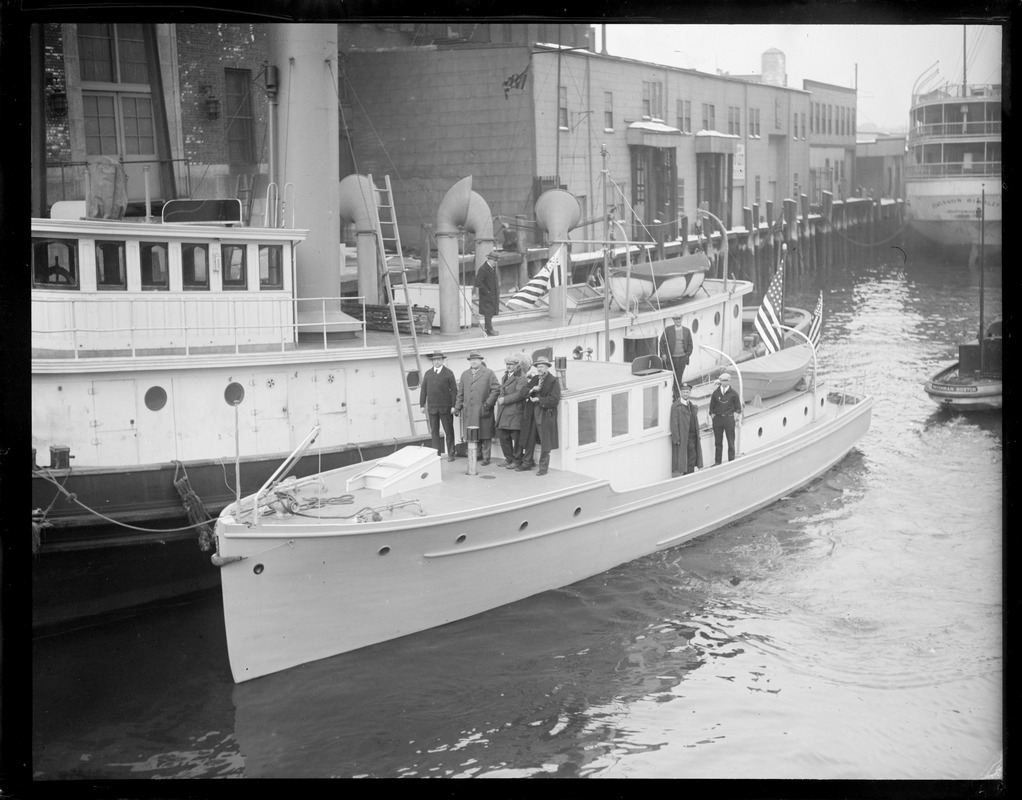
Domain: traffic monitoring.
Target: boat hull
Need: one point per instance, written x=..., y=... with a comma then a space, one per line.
x=301, y=594
x=964, y=393
x=944, y=211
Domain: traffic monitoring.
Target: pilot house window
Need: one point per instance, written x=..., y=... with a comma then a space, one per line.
x=194, y=270
x=619, y=414
x=586, y=422
x=270, y=273
x=235, y=270
x=110, y=265
x=55, y=263
x=153, y=263
x=650, y=407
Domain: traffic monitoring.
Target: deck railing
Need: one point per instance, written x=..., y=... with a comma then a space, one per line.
x=77, y=327
x=953, y=169
x=954, y=130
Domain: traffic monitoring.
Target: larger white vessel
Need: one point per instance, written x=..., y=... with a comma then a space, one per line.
x=954, y=155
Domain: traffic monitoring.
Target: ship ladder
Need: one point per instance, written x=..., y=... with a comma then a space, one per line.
x=196, y=511
x=388, y=242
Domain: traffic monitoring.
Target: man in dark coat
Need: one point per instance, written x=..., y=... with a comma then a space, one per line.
x=477, y=395
x=437, y=396
x=675, y=350
x=525, y=454
x=686, y=454
x=489, y=292
x=724, y=405
x=511, y=406
x=545, y=397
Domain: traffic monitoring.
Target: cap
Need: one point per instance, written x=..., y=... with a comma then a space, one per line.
x=724, y=376
x=492, y=256
x=686, y=386
x=510, y=360
x=474, y=354
x=676, y=316
x=542, y=360
x=437, y=354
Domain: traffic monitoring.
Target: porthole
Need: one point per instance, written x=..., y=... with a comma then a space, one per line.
x=424, y=475
x=760, y=432
x=524, y=525
x=612, y=348
x=460, y=539
x=258, y=569
x=805, y=411
x=784, y=422
x=821, y=402
x=695, y=326
x=736, y=311
x=578, y=511
x=716, y=319
x=156, y=398
x=384, y=550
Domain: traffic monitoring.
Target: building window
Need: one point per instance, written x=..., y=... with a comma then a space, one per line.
x=734, y=120
x=139, y=132
x=110, y=265
x=100, y=124
x=586, y=422
x=685, y=116
x=619, y=414
x=110, y=53
x=238, y=107
x=608, y=111
x=794, y=125
x=562, y=108
x=153, y=264
x=650, y=407
x=709, y=117
x=754, y=122
x=194, y=266
x=271, y=275
x=652, y=100
x=235, y=268
x=803, y=125
x=830, y=119
x=681, y=195
x=55, y=263
x=757, y=196
x=640, y=180
x=777, y=113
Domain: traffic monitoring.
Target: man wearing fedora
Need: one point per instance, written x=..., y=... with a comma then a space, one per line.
x=724, y=405
x=675, y=350
x=488, y=287
x=544, y=397
x=477, y=395
x=437, y=395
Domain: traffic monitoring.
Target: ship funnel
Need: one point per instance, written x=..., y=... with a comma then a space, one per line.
x=557, y=212
x=358, y=207
x=461, y=209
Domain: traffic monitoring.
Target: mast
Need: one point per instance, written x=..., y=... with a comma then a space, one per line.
x=982, y=219
x=557, y=116
x=964, y=81
x=604, y=176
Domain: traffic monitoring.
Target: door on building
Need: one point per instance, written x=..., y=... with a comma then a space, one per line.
x=117, y=102
x=654, y=193
x=714, y=184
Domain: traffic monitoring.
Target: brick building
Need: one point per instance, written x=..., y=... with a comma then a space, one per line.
x=520, y=107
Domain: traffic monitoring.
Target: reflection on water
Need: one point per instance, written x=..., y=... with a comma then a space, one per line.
x=850, y=630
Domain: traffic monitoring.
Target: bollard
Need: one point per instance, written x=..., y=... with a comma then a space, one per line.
x=473, y=448
x=60, y=457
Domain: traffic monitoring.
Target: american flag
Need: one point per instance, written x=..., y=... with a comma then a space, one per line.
x=767, y=319
x=540, y=284
x=516, y=81
x=816, y=324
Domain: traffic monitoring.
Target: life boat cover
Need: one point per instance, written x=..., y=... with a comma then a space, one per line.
x=659, y=271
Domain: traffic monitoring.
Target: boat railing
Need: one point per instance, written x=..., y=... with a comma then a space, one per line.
x=955, y=130
x=947, y=168
x=952, y=91
x=279, y=325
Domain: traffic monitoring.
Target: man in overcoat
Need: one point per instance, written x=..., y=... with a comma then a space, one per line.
x=488, y=287
x=675, y=350
x=545, y=396
x=686, y=454
x=510, y=404
x=437, y=395
x=477, y=394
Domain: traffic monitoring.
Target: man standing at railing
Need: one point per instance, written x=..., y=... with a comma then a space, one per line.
x=724, y=405
x=437, y=397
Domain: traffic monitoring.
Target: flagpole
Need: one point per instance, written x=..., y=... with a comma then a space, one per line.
x=606, y=256
x=812, y=347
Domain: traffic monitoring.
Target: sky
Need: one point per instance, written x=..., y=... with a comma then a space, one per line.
x=890, y=58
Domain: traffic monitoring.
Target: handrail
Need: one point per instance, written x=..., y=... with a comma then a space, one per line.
x=185, y=327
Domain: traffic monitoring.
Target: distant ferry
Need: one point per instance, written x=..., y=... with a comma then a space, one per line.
x=954, y=154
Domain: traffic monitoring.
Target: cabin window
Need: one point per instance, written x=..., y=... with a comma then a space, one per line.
x=194, y=266
x=234, y=262
x=55, y=263
x=271, y=274
x=153, y=264
x=110, y=265
x=650, y=407
x=586, y=422
x=619, y=414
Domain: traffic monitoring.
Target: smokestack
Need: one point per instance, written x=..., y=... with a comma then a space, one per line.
x=603, y=39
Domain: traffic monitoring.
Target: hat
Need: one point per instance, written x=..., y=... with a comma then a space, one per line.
x=724, y=376
x=492, y=255
x=474, y=354
x=437, y=354
x=675, y=316
x=542, y=360
x=510, y=360
x=686, y=386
